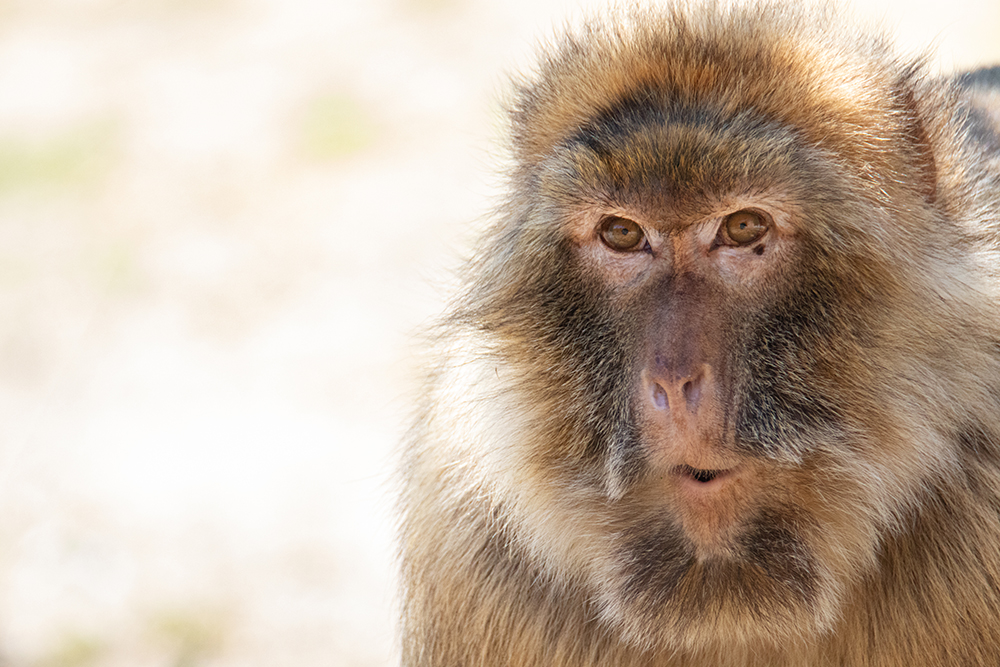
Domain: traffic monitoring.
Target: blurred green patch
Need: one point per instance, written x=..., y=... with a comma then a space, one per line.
x=78, y=156
x=192, y=636
x=75, y=650
x=115, y=268
x=336, y=126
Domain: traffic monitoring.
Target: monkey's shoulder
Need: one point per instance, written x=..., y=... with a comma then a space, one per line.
x=982, y=90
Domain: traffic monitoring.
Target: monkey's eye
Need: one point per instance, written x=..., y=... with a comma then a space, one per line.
x=621, y=234
x=743, y=227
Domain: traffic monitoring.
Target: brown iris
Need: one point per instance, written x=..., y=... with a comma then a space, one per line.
x=621, y=234
x=743, y=227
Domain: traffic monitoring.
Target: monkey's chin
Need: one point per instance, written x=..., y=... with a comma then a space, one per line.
x=710, y=504
x=714, y=556
x=718, y=603
x=758, y=589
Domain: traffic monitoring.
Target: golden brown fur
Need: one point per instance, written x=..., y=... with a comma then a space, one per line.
x=843, y=373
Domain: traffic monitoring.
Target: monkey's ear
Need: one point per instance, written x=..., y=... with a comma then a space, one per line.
x=917, y=136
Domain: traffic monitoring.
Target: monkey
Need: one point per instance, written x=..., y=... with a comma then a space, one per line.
x=721, y=385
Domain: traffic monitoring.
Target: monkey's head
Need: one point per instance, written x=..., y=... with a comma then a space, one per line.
x=720, y=309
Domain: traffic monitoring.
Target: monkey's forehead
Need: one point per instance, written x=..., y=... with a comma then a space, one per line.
x=674, y=156
x=836, y=87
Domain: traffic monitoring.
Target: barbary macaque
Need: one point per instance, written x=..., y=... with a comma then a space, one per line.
x=723, y=385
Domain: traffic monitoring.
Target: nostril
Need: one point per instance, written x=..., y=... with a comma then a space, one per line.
x=660, y=397
x=692, y=392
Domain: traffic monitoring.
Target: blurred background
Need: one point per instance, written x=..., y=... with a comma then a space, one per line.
x=220, y=223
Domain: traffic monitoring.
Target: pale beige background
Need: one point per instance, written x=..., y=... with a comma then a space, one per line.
x=220, y=221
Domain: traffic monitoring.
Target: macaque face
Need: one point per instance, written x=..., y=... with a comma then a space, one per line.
x=723, y=386
x=727, y=336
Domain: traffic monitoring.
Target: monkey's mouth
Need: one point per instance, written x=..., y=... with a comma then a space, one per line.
x=699, y=475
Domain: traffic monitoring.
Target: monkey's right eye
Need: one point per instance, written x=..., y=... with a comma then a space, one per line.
x=621, y=234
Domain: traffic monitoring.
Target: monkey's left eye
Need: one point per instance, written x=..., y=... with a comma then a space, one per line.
x=743, y=227
x=621, y=234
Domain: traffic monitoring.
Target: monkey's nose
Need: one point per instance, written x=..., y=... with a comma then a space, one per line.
x=678, y=392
